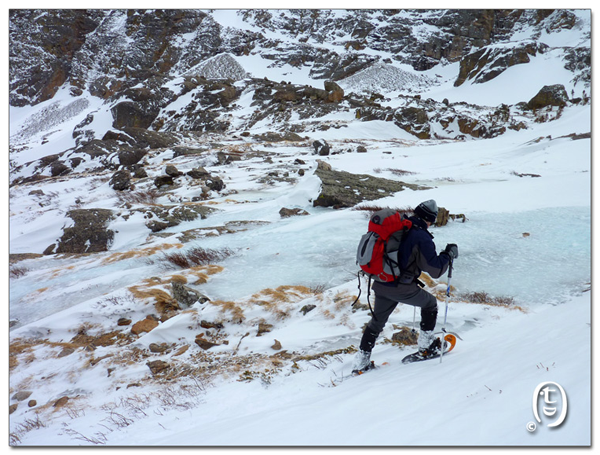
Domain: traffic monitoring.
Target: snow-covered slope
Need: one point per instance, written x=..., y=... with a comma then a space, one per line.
x=266, y=360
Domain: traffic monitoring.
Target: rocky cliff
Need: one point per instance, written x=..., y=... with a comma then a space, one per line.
x=139, y=79
x=111, y=52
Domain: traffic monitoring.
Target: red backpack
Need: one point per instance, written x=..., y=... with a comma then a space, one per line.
x=377, y=253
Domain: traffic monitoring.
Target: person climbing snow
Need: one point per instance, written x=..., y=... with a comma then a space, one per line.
x=416, y=253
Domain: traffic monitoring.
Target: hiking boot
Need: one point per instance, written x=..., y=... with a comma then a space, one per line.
x=362, y=360
x=425, y=339
x=428, y=344
x=431, y=350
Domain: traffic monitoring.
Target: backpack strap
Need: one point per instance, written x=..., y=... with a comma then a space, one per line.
x=368, y=293
x=390, y=262
x=369, y=300
x=359, y=289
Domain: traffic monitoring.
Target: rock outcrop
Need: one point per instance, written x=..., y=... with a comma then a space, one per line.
x=89, y=233
x=549, y=95
x=341, y=189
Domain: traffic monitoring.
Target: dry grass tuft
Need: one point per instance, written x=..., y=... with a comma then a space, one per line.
x=483, y=298
x=196, y=257
x=283, y=294
x=144, y=252
x=278, y=301
x=21, y=348
x=320, y=355
x=397, y=172
x=18, y=272
x=147, y=197
x=235, y=311
x=178, y=279
x=211, y=269
x=343, y=300
x=203, y=272
x=162, y=299
x=371, y=209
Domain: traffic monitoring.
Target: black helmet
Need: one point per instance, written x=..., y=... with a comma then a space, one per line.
x=427, y=211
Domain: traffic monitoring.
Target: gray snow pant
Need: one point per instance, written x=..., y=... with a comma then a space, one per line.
x=386, y=300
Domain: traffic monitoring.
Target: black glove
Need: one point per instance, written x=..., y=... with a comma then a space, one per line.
x=451, y=250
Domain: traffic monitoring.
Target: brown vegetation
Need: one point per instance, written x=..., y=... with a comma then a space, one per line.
x=143, y=252
x=147, y=197
x=485, y=299
x=197, y=256
x=371, y=209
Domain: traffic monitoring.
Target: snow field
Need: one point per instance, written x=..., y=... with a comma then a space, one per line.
x=481, y=395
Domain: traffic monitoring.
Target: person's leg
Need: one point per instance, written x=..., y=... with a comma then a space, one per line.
x=381, y=312
x=414, y=296
x=429, y=310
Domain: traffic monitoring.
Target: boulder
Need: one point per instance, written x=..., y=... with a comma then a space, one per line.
x=286, y=213
x=172, y=171
x=307, y=309
x=198, y=173
x=186, y=296
x=215, y=183
x=144, y=138
x=405, y=337
x=323, y=165
x=442, y=217
x=158, y=366
x=335, y=93
x=279, y=137
x=140, y=173
x=162, y=217
x=285, y=95
x=549, y=95
x=128, y=156
x=315, y=93
x=211, y=325
x=163, y=180
x=341, y=189
x=131, y=114
x=58, y=168
x=22, y=395
x=321, y=147
x=413, y=120
x=158, y=348
x=89, y=234
x=204, y=344
x=120, y=180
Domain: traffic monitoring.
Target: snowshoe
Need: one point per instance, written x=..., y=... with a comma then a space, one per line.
x=433, y=351
x=370, y=366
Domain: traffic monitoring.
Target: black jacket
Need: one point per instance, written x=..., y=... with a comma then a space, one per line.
x=417, y=253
